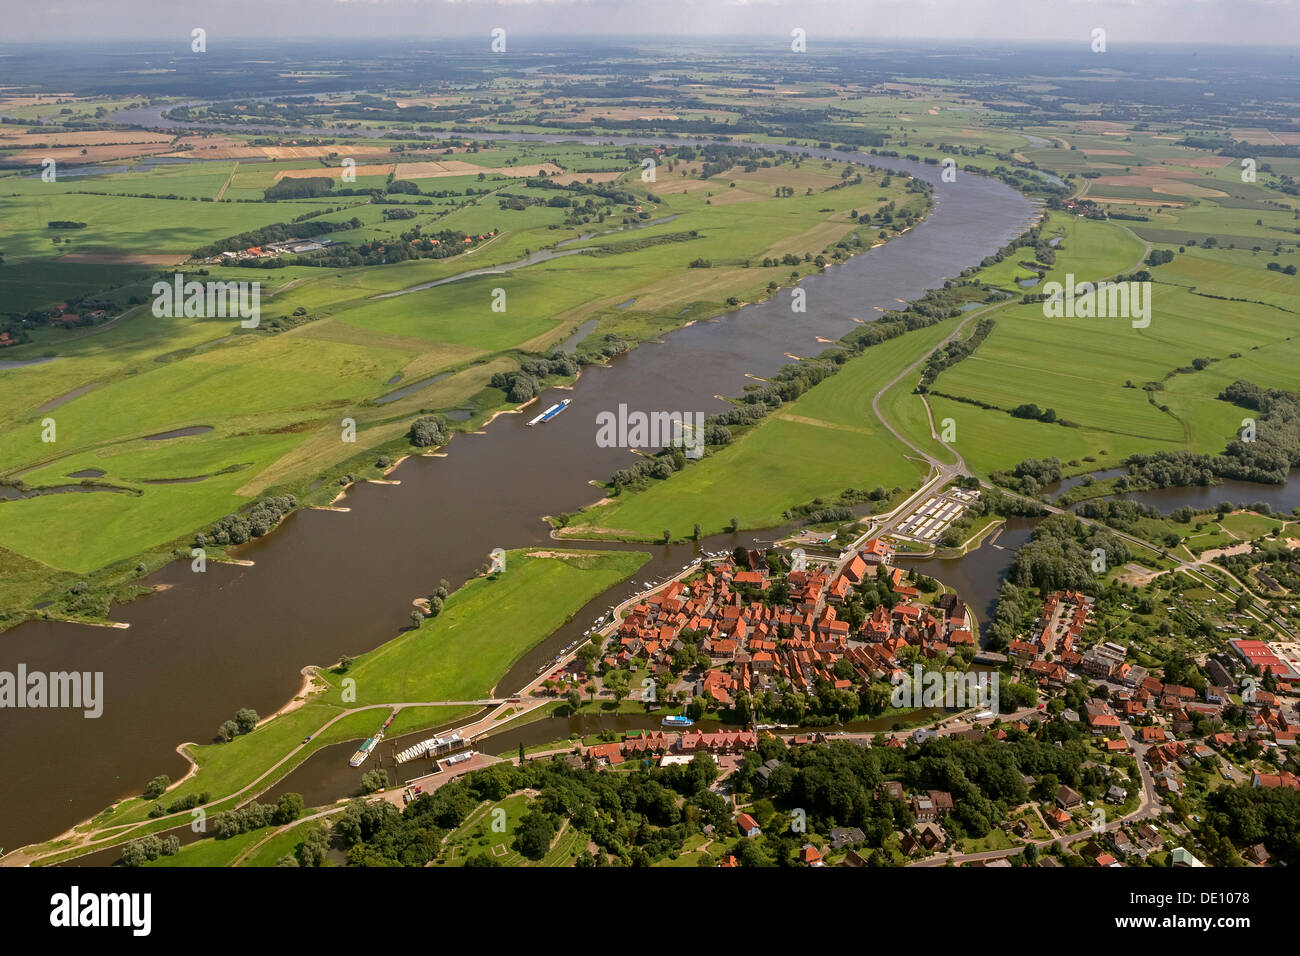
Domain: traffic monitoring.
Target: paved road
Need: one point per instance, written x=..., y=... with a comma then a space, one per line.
x=494, y=720
x=940, y=472
x=123, y=833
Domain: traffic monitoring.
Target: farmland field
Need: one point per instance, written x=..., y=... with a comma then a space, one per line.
x=271, y=404
x=287, y=329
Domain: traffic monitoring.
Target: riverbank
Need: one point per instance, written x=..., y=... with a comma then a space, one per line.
x=437, y=670
x=365, y=566
x=305, y=468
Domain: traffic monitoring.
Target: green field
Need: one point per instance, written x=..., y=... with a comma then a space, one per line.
x=275, y=402
x=211, y=852
x=280, y=845
x=486, y=626
x=1092, y=371
x=822, y=443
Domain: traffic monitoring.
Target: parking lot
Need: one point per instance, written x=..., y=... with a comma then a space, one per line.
x=933, y=516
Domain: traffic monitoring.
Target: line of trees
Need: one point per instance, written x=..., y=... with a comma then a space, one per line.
x=238, y=528
x=1058, y=556
x=1267, y=457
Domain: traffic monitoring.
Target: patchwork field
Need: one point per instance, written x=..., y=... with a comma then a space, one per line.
x=269, y=404
x=1217, y=303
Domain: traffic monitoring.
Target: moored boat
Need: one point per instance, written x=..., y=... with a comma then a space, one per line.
x=364, y=750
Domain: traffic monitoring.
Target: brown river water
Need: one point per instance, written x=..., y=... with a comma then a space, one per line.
x=332, y=583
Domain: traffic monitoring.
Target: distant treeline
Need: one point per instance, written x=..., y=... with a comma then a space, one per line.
x=313, y=187
x=1240, y=149
x=276, y=232
x=795, y=124
x=300, y=187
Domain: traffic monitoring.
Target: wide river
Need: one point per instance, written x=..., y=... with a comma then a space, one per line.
x=332, y=583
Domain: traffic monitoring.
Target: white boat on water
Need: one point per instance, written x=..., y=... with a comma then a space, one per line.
x=551, y=412
x=432, y=746
x=365, y=750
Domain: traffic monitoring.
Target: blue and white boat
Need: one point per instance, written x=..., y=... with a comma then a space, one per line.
x=551, y=412
x=677, y=720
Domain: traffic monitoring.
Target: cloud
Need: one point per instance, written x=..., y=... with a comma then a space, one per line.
x=827, y=21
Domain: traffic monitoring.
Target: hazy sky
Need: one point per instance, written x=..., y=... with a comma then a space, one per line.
x=992, y=21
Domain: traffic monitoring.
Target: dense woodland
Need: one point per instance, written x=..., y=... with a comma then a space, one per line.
x=1267, y=457
x=642, y=816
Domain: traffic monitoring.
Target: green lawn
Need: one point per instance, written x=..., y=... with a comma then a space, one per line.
x=1092, y=371
x=282, y=844
x=487, y=831
x=485, y=627
x=995, y=839
x=275, y=401
x=824, y=442
x=211, y=851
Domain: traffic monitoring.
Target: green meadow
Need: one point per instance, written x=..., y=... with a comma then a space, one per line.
x=1093, y=373
x=484, y=628
x=824, y=442
x=273, y=402
x=281, y=844
x=478, y=836
x=211, y=852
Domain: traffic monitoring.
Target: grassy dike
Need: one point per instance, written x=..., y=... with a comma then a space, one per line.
x=484, y=628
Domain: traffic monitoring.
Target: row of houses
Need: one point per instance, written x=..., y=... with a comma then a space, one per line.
x=1098, y=855
x=1058, y=628
x=658, y=744
x=754, y=646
